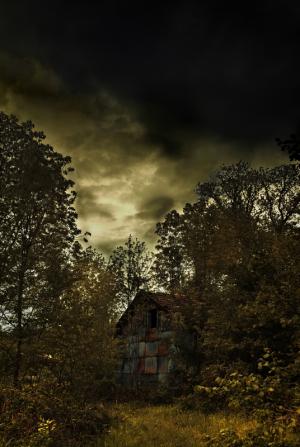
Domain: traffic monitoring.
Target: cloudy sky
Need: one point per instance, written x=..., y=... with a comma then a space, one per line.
x=150, y=99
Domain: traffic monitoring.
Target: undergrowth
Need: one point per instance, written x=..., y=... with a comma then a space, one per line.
x=169, y=426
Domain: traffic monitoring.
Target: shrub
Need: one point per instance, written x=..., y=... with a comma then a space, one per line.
x=272, y=436
x=270, y=391
x=37, y=417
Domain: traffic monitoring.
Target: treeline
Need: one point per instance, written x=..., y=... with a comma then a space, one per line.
x=234, y=253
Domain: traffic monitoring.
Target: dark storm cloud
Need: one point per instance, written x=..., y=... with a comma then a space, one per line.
x=119, y=173
x=107, y=247
x=88, y=204
x=186, y=67
x=28, y=77
x=149, y=100
x=155, y=208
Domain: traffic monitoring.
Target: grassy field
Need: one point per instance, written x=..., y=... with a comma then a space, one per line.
x=168, y=426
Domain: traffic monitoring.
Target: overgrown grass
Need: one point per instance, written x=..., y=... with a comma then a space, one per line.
x=168, y=426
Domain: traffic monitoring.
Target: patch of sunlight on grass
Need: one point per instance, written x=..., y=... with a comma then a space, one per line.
x=168, y=426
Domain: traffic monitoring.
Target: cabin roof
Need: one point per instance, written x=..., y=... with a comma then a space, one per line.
x=163, y=301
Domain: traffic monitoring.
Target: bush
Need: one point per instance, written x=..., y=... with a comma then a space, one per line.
x=270, y=392
x=272, y=436
x=37, y=417
x=271, y=395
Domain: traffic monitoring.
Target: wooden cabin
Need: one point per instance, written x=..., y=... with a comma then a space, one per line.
x=146, y=335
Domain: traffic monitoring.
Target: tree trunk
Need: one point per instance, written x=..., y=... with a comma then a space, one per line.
x=19, y=315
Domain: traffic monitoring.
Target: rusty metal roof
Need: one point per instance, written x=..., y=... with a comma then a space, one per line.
x=168, y=302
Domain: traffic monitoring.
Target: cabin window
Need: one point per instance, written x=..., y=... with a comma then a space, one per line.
x=153, y=318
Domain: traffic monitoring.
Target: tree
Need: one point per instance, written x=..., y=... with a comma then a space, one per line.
x=131, y=265
x=279, y=200
x=37, y=234
x=291, y=146
x=234, y=187
x=78, y=350
x=169, y=265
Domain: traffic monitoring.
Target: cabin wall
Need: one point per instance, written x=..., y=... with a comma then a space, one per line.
x=145, y=350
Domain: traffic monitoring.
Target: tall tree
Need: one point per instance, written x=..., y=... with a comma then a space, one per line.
x=37, y=233
x=170, y=258
x=131, y=266
x=80, y=343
